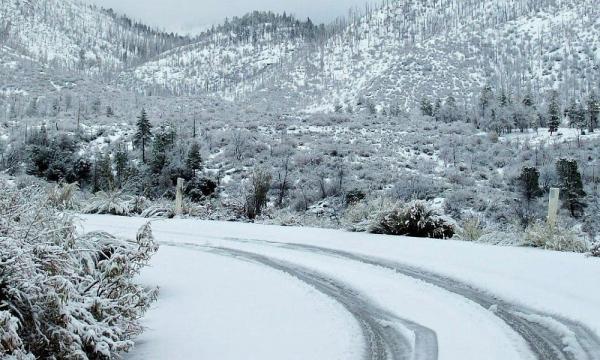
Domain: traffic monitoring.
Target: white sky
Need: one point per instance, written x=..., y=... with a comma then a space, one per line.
x=190, y=15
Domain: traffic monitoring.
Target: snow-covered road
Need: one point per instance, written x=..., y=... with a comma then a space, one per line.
x=244, y=291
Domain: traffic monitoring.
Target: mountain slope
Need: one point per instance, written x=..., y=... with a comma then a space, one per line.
x=227, y=59
x=395, y=55
x=71, y=35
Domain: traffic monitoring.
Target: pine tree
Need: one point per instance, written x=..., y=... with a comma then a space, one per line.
x=96, y=105
x=485, y=99
x=164, y=140
x=553, y=113
x=105, y=180
x=426, y=107
x=528, y=99
x=529, y=186
x=144, y=133
x=503, y=99
x=576, y=114
x=529, y=182
x=571, y=186
x=121, y=161
x=436, y=108
x=593, y=112
x=194, y=159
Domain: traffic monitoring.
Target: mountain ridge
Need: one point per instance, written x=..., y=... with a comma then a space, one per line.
x=387, y=58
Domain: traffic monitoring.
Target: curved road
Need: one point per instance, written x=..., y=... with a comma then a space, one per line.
x=383, y=332
x=547, y=335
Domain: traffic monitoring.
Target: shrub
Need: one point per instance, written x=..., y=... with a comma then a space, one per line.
x=199, y=188
x=359, y=216
x=63, y=197
x=416, y=187
x=595, y=251
x=541, y=235
x=257, y=193
x=415, y=219
x=354, y=196
x=472, y=229
x=109, y=202
x=62, y=295
x=160, y=209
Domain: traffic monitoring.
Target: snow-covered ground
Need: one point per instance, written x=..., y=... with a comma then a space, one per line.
x=214, y=308
x=234, y=291
x=543, y=137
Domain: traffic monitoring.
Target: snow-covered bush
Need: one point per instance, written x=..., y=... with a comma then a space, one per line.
x=109, y=202
x=595, y=250
x=472, y=229
x=360, y=216
x=160, y=209
x=542, y=235
x=138, y=204
x=64, y=196
x=62, y=295
x=415, y=219
x=198, y=188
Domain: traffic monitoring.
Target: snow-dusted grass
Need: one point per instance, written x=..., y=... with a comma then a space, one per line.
x=552, y=282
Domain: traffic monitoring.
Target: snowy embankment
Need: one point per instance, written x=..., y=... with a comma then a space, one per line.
x=233, y=291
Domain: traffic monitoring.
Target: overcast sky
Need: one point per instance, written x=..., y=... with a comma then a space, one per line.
x=178, y=15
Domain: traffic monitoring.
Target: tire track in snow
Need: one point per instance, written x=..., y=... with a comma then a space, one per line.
x=549, y=337
x=386, y=336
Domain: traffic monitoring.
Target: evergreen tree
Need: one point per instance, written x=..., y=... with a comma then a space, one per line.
x=529, y=183
x=426, y=107
x=436, y=108
x=528, y=99
x=194, y=159
x=105, y=179
x=571, y=186
x=164, y=140
x=593, y=112
x=144, y=133
x=503, y=99
x=121, y=161
x=485, y=99
x=553, y=113
x=576, y=114
x=96, y=105
x=55, y=106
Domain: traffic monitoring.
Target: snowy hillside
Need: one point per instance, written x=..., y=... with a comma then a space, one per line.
x=407, y=50
x=395, y=55
x=229, y=60
x=71, y=35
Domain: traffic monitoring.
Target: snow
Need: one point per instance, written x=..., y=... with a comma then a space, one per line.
x=543, y=137
x=538, y=279
x=237, y=310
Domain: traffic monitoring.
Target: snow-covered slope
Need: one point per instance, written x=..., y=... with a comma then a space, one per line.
x=394, y=55
x=228, y=60
x=407, y=50
x=75, y=36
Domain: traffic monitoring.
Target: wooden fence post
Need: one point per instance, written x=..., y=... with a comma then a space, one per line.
x=179, y=197
x=553, y=207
